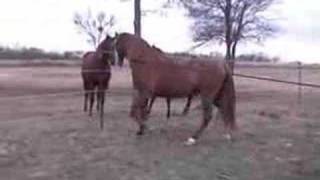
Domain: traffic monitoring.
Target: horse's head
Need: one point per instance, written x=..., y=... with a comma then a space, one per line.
x=112, y=49
x=118, y=50
x=106, y=49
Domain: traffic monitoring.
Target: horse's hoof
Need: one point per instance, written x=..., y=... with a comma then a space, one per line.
x=139, y=133
x=191, y=141
x=228, y=137
x=184, y=113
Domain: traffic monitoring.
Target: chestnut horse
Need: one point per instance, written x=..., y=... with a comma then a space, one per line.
x=168, y=99
x=156, y=74
x=96, y=74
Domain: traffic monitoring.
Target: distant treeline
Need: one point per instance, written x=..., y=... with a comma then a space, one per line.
x=31, y=53
x=25, y=53
x=259, y=57
x=253, y=57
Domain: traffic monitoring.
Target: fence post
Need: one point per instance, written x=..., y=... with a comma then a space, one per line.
x=299, y=81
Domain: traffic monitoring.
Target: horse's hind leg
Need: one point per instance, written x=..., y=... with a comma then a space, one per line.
x=91, y=95
x=153, y=98
x=98, y=100
x=207, y=115
x=187, y=107
x=227, y=112
x=226, y=103
x=85, y=103
x=86, y=94
x=168, y=100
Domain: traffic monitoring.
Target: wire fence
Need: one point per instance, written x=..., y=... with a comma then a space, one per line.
x=277, y=80
x=70, y=93
x=299, y=68
x=298, y=83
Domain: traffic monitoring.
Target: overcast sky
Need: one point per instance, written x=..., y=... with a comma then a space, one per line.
x=48, y=24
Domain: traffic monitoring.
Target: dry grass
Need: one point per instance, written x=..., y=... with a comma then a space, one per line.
x=51, y=138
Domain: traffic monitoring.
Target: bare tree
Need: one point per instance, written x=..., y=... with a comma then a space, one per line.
x=94, y=27
x=137, y=17
x=138, y=13
x=229, y=22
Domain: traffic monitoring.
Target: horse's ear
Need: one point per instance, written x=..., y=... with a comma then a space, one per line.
x=108, y=37
x=116, y=35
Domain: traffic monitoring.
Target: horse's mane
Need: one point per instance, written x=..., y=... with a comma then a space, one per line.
x=175, y=58
x=132, y=37
x=157, y=48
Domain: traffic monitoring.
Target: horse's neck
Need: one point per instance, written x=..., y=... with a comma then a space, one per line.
x=102, y=61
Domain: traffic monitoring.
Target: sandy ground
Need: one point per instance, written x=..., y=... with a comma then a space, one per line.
x=49, y=137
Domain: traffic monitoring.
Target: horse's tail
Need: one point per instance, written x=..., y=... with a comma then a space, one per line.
x=227, y=100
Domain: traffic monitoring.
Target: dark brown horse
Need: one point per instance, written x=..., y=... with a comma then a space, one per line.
x=96, y=74
x=155, y=74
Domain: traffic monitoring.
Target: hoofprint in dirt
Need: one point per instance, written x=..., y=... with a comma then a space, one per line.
x=49, y=137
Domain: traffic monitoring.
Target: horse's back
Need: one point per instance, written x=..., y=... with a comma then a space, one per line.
x=178, y=78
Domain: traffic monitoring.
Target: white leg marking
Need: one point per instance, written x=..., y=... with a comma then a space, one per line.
x=191, y=141
x=228, y=136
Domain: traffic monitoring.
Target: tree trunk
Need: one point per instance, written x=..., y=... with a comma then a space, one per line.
x=228, y=51
x=229, y=56
x=236, y=37
x=137, y=17
x=233, y=55
x=228, y=35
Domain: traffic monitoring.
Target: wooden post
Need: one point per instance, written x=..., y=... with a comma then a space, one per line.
x=299, y=81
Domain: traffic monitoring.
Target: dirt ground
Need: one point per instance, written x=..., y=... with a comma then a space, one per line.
x=49, y=137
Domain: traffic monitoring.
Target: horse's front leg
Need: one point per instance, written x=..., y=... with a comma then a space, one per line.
x=139, y=111
x=100, y=102
x=91, y=95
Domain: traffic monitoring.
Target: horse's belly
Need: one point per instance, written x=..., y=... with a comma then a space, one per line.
x=173, y=94
x=174, y=87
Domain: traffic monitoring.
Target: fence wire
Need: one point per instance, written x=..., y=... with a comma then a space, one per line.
x=277, y=80
x=80, y=92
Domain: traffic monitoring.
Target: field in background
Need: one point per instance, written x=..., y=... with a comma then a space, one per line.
x=49, y=137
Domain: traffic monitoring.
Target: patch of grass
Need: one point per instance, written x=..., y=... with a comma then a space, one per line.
x=223, y=163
